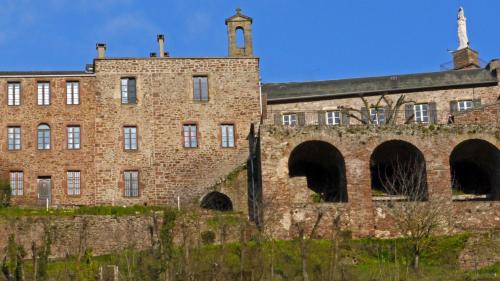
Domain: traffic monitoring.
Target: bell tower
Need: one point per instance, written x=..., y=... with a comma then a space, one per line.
x=240, y=24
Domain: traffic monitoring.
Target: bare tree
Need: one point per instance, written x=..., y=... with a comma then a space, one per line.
x=416, y=217
x=392, y=109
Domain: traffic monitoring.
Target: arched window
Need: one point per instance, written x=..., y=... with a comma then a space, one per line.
x=43, y=136
x=475, y=171
x=217, y=201
x=398, y=172
x=240, y=38
x=323, y=166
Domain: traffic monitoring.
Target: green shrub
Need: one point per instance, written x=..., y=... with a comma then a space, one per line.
x=5, y=193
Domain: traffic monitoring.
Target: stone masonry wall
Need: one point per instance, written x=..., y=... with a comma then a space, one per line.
x=488, y=114
x=442, y=98
x=287, y=200
x=58, y=159
x=167, y=170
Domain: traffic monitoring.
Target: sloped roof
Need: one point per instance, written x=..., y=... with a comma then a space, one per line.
x=330, y=89
x=239, y=17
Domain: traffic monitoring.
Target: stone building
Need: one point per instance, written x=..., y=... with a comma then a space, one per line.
x=330, y=147
x=154, y=130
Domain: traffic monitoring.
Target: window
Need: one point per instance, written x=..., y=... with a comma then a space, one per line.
x=43, y=93
x=421, y=113
x=130, y=136
x=43, y=136
x=74, y=181
x=72, y=93
x=131, y=179
x=227, y=135
x=14, y=93
x=290, y=119
x=333, y=117
x=128, y=90
x=465, y=104
x=200, y=88
x=377, y=115
x=190, y=133
x=14, y=138
x=73, y=137
x=16, y=183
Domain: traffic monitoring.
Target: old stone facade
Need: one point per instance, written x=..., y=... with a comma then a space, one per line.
x=156, y=130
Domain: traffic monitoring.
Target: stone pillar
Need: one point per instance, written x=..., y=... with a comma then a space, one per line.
x=466, y=58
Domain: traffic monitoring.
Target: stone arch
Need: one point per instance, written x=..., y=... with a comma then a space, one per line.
x=475, y=170
x=398, y=168
x=324, y=167
x=217, y=201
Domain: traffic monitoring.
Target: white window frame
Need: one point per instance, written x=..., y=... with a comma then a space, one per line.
x=14, y=93
x=43, y=134
x=421, y=112
x=227, y=135
x=131, y=183
x=290, y=119
x=74, y=182
x=190, y=135
x=43, y=93
x=72, y=92
x=465, y=105
x=377, y=115
x=14, y=138
x=16, y=183
x=74, y=137
x=333, y=117
x=130, y=138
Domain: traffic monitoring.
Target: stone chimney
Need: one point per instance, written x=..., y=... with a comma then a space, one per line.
x=161, y=43
x=101, y=50
x=465, y=58
x=494, y=66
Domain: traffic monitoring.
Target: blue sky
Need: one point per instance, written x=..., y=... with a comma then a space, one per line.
x=296, y=40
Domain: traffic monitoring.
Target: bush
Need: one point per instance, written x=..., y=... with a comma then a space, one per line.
x=5, y=193
x=208, y=237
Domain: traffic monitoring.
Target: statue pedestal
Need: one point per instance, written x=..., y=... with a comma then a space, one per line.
x=465, y=59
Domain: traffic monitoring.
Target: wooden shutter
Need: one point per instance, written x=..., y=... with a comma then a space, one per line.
x=365, y=115
x=476, y=103
x=453, y=106
x=301, y=118
x=278, y=119
x=409, y=113
x=321, y=118
x=344, y=117
x=132, y=97
x=432, y=113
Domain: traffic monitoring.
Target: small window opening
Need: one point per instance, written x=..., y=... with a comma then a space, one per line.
x=240, y=38
x=217, y=201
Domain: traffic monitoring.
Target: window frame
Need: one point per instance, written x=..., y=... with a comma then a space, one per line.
x=188, y=139
x=16, y=183
x=72, y=145
x=70, y=95
x=379, y=111
x=128, y=140
x=225, y=136
x=44, y=94
x=465, y=102
x=73, y=182
x=44, y=137
x=127, y=182
x=13, y=93
x=287, y=119
x=198, y=84
x=125, y=97
x=333, y=118
x=16, y=145
x=418, y=114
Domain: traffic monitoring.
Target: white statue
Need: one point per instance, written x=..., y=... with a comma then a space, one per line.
x=463, y=40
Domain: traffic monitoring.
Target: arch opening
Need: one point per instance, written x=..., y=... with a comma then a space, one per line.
x=217, y=201
x=398, y=172
x=475, y=171
x=324, y=168
x=240, y=37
